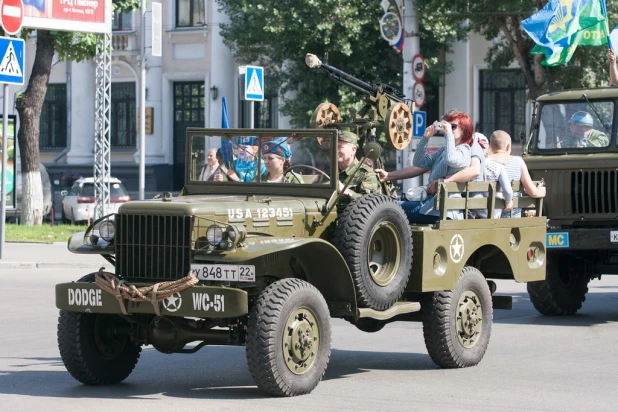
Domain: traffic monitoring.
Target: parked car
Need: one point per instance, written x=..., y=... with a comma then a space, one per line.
x=78, y=203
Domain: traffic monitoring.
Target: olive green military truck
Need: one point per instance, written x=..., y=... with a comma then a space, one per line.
x=572, y=147
x=238, y=259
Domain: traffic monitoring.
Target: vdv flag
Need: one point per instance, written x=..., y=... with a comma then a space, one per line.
x=562, y=25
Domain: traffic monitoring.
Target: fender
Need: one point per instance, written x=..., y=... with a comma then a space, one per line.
x=322, y=264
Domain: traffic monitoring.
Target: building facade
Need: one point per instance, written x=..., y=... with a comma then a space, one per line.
x=184, y=88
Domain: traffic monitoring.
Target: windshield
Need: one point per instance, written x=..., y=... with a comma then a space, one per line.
x=575, y=125
x=297, y=159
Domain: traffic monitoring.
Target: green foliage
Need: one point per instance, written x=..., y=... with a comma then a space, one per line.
x=278, y=33
x=500, y=22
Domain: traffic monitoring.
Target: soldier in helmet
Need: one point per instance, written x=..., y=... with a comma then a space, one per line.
x=365, y=181
x=582, y=133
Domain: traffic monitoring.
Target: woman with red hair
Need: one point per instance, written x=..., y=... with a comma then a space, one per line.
x=448, y=160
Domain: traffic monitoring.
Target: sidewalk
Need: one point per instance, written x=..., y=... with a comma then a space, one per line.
x=47, y=256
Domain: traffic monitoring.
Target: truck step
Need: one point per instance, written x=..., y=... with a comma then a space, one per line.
x=398, y=308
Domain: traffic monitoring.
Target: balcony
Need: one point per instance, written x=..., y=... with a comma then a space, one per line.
x=124, y=42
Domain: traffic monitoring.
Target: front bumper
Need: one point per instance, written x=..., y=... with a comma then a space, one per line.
x=196, y=301
x=582, y=239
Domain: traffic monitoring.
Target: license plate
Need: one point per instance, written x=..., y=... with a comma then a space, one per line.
x=224, y=273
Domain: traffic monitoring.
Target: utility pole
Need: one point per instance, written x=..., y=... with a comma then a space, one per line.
x=411, y=47
x=142, y=104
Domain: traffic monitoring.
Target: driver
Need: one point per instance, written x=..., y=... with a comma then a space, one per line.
x=582, y=133
x=277, y=160
x=365, y=181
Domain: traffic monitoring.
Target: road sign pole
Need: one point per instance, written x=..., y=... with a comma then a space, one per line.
x=5, y=139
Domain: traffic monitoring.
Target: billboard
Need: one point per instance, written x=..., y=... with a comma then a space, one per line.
x=10, y=170
x=90, y=16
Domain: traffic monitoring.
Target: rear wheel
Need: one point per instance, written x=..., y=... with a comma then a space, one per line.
x=563, y=291
x=96, y=348
x=457, y=323
x=374, y=238
x=288, y=338
x=64, y=217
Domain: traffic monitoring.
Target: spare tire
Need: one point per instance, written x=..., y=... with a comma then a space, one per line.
x=374, y=237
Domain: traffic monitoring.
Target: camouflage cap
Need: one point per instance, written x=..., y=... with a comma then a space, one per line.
x=349, y=137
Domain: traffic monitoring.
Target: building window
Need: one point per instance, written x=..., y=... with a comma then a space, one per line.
x=53, y=125
x=123, y=115
x=189, y=101
x=190, y=13
x=122, y=21
x=502, y=102
x=265, y=113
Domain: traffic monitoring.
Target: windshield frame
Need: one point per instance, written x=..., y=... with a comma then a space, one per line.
x=533, y=147
x=194, y=187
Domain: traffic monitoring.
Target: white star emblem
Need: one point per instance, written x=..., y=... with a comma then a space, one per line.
x=172, y=303
x=457, y=248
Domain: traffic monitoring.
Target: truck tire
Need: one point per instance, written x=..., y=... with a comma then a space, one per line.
x=373, y=236
x=457, y=323
x=563, y=291
x=288, y=338
x=92, y=354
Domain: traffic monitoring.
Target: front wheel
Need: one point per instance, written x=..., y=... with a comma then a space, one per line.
x=288, y=338
x=96, y=348
x=457, y=323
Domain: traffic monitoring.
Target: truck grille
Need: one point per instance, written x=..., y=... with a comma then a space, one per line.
x=594, y=192
x=153, y=247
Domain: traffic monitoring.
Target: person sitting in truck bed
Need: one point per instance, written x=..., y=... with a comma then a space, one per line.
x=446, y=161
x=515, y=166
x=277, y=157
x=582, y=133
x=496, y=172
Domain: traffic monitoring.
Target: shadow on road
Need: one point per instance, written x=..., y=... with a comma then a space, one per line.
x=599, y=308
x=217, y=372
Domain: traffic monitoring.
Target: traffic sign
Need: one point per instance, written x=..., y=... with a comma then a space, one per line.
x=419, y=123
x=254, y=83
x=13, y=54
x=12, y=15
x=418, y=94
x=418, y=67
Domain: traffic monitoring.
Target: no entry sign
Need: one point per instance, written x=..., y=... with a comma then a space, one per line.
x=12, y=15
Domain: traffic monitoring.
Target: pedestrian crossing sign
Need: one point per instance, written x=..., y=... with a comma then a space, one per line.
x=12, y=55
x=254, y=83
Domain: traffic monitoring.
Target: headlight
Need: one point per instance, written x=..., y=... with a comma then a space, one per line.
x=214, y=234
x=107, y=230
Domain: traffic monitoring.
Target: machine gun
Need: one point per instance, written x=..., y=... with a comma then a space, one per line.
x=381, y=100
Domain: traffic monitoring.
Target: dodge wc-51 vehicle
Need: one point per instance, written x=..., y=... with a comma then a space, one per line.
x=573, y=148
x=237, y=259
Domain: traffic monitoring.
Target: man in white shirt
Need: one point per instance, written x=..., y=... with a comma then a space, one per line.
x=211, y=166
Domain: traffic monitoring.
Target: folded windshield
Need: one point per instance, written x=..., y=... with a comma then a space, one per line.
x=257, y=160
x=576, y=125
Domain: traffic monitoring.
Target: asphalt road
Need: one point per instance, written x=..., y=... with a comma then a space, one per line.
x=533, y=363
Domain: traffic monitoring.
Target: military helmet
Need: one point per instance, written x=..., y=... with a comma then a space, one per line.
x=349, y=137
x=581, y=118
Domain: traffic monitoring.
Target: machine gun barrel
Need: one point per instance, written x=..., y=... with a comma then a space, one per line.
x=370, y=88
x=313, y=61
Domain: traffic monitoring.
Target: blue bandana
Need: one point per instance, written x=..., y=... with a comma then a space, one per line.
x=278, y=147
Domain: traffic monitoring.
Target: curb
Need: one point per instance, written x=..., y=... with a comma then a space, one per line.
x=49, y=265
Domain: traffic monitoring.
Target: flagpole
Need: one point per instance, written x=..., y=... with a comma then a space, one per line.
x=604, y=7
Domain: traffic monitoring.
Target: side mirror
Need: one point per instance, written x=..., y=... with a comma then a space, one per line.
x=64, y=192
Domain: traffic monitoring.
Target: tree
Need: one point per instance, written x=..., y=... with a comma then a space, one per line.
x=67, y=45
x=277, y=34
x=500, y=22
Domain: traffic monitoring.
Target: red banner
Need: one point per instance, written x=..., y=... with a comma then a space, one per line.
x=79, y=10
